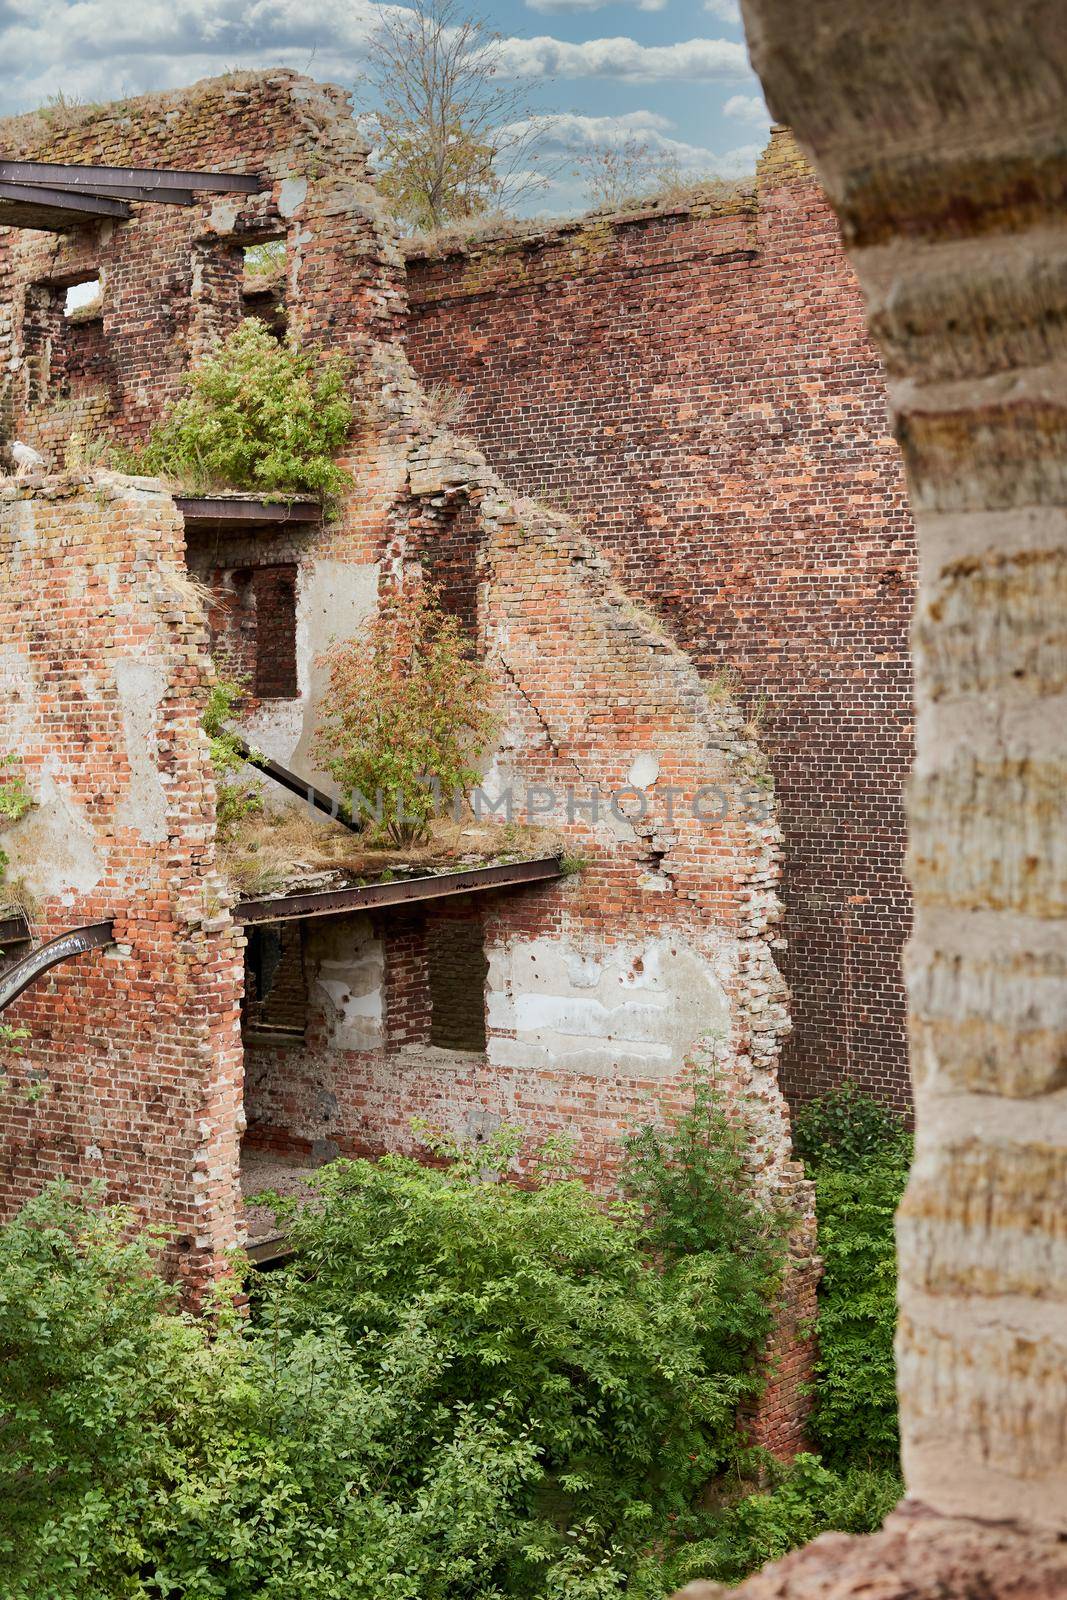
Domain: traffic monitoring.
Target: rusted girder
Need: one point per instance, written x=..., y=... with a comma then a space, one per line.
x=118, y=191
x=297, y=785
x=404, y=891
x=38, y=962
x=63, y=206
x=64, y=176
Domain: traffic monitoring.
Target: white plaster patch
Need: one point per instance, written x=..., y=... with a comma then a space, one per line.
x=637, y=1007
x=292, y=192
x=644, y=770
x=351, y=973
x=223, y=214
x=53, y=849
x=141, y=686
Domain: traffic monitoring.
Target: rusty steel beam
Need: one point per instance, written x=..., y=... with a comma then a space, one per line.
x=85, y=204
x=206, y=510
x=19, y=977
x=405, y=891
x=14, y=929
x=118, y=191
x=150, y=178
x=297, y=785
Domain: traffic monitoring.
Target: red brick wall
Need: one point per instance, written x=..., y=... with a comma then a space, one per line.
x=136, y=1052
x=699, y=390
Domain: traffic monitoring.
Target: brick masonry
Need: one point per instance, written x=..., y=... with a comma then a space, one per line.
x=696, y=386
x=135, y=1054
x=599, y=990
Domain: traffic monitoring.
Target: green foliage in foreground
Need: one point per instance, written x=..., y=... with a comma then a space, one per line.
x=462, y=1390
x=795, y=1505
x=858, y=1152
x=235, y=797
x=258, y=415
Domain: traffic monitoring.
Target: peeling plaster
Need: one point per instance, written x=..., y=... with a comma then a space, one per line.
x=637, y=1007
x=141, y=686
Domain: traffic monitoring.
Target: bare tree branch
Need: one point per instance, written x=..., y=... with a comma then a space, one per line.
x=455, y=140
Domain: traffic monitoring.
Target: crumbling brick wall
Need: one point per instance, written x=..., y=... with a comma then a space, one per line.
x=131, y=1073
x=696, y=385
x=598, y=989
x=172, y=277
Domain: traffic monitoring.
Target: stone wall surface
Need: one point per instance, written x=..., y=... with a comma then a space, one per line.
x=696, y=385
x=937, y=131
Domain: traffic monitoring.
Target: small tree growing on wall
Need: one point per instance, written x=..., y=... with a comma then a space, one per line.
x=407, y=712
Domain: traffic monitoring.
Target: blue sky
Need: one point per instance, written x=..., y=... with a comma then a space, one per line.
x=672, y=74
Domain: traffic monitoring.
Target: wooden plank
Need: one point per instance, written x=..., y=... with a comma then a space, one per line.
x=14, y=929
x=143, y=177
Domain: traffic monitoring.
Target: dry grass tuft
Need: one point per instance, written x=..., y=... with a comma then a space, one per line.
x=280, y=852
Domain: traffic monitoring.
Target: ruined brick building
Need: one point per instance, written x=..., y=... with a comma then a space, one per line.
x=647, y=528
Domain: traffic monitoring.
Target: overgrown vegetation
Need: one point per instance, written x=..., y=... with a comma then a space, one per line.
x=15, y=799
x=858, y=1153
x=406, y=714
x=235, y=798
x=462, y=1389
x=259, y=415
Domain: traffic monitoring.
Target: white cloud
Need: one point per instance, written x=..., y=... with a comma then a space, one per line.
x=747, y=108
x=576, y=7
x=700, y=60
x=726, y=10
x=103, y=49
x=566, y=138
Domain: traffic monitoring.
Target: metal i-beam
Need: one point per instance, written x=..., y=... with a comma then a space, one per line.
x=19, y=977
x=148, y=178
x=119, y=191
x=403, y=891
x=297, y=785
x=83, y=204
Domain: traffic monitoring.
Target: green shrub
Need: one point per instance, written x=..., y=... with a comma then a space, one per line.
x=15, y=798
x=258, y=415
x=407, y=713
x=539, y=1313
x=858, y=1153
x=233, y=800
x=689, y=1177
x=799, y=1502
x=462, y=1390
x=854, y=1417
x=846, y=1128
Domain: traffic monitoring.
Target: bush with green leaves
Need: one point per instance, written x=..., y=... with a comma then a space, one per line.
x=795, y=1504
x=15, y=798
x=234, y=799
x=858, y=1153
x=406, y=715
x=462, y=1389
x=258, y=414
